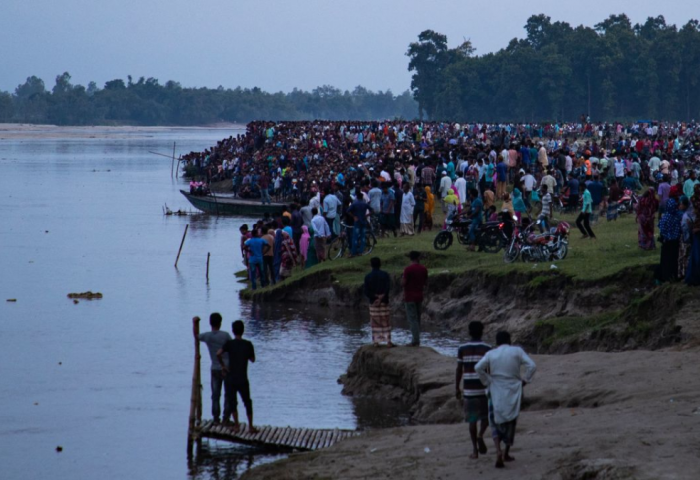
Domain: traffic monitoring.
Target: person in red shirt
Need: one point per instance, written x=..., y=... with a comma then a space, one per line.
x=413, y=281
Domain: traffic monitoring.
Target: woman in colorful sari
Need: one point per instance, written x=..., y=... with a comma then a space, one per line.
x=277, y=253
x=692, y=274
x=686, y=236
x=311, y=258
x=288, y=255
x=646, y=213
x=304, y=244
x=518, y=204
x=429, y=208
x=670, y=230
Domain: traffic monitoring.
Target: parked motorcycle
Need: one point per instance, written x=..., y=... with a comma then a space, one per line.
x=628, y=202
x=531, y=247
x=491, y=237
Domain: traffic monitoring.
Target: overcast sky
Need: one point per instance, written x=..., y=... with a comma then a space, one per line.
x=272, y=44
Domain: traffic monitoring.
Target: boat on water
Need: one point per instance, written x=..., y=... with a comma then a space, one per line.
x=228, y=205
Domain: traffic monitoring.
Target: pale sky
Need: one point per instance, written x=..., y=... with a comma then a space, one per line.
x=272, y=44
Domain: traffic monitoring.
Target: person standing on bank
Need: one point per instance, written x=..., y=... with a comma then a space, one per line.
x=476, y=404
x=215, y=340
x=376, y=288
x=583, y=222
x=238, y=352
x=500, y=371
x=414, y=281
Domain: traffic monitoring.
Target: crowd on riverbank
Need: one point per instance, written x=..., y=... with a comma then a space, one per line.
x=400, y=171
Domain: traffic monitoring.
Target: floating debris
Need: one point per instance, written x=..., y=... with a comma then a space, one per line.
x=86, y=295
x=11, y=299
x=178, y=213
x=59, y=449
x=76, y=301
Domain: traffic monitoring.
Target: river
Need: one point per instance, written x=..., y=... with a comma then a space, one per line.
x=108, y=380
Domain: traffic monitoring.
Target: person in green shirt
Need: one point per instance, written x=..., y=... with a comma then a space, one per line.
x=583, y=222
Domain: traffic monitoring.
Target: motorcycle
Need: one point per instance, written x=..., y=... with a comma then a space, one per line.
x=628, y=202
x=491, y=237
x=531, y=247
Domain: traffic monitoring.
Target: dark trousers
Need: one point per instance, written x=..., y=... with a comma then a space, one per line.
x=217, y=381
x=418, y=220
x=235, y=388
x=583, y=222
x=269, y=269
x=573, y=202
x=413, y=311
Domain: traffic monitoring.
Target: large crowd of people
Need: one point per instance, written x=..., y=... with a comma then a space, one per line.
x=397, y=172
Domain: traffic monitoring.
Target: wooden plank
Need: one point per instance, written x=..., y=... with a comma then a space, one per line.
x=303, y=441
x=324, y=439
x=287, y=440
x=277, y=439
x=295, y=438
x=300, y=437
x=319, y=439
x=329, y=439
x=270, y=435
x=261, y=434
x=313, y=439
x=283, y=438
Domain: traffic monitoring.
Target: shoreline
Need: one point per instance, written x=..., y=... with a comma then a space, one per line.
x=26, y=131
x=586, y=415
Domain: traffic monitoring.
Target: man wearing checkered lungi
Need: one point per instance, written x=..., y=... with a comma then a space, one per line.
x=376, y=289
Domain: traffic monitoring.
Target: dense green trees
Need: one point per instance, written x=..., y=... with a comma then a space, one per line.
x=614, y=71
x=147, y=102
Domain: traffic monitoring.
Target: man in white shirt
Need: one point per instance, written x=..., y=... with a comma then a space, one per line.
x=321, y=233
x=461, y=187
x=500, y=371
x=445, y=185
x=330, y=207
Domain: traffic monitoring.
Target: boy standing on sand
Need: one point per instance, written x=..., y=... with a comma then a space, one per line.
x=238, y=353
x=476, y=404
x=214, y=340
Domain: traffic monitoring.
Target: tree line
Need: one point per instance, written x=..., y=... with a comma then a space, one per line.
x=613, y=71
x=148, y=102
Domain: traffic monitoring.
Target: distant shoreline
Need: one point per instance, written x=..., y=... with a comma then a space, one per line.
x=20, y=131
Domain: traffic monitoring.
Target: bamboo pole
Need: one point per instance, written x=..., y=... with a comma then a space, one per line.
x=172, y=164
x=181, y=244
x=208, y=257
x=177, y=166
x=192, y=434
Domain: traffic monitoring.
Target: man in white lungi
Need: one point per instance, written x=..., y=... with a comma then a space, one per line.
x=504, y=370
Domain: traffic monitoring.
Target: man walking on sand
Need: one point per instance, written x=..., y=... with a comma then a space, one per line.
x=413, y=281
x=500, y=371
x=214, y=340
x=476, y=404
x=238, y=352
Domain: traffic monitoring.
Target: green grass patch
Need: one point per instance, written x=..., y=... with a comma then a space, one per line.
x=614, y=251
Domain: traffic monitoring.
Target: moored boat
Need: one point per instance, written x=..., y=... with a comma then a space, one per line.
x=227, y=205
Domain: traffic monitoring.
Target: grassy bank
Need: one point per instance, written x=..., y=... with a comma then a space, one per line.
x=614, y=251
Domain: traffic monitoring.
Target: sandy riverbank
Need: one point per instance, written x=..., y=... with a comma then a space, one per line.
x=588, y=415
x=21, y=131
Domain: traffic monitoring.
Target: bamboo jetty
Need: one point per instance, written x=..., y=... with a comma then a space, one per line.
x=276, y=438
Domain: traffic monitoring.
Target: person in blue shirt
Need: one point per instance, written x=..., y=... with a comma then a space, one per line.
x=501, y=177
x=477, y=215
x=358, y=210
x=256, y=247
x=573, y=192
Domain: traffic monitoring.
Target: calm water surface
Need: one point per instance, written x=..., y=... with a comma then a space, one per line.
x=109, y=380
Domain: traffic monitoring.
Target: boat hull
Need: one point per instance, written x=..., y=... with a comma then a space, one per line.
x=216, y=205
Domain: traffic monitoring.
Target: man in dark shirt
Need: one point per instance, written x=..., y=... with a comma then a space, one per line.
x=358, y=210
x=297, y=222
x=239, y=352
x=470, y=388
x=377, y=287
x=573, y=192
x=413, y=281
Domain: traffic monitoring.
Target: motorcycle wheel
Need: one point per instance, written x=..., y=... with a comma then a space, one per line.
x=561, y=252
x=443, y=240
x=490, y=242
x=511, y=253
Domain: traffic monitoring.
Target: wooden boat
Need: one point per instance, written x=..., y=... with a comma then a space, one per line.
x=227, y=205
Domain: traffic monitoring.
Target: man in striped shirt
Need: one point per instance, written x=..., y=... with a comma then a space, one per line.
x=476, y=405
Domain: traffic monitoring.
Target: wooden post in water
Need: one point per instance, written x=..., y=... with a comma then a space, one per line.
x=172, y=164
x=195, y=398
x=181, y=244
x=177, y=166
x=208, y=257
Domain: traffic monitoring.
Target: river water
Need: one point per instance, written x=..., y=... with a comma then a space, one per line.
x=109, y=380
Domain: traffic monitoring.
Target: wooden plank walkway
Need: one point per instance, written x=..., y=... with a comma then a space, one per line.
x=285, y=438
